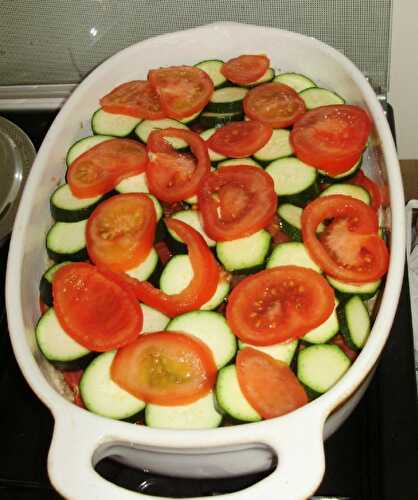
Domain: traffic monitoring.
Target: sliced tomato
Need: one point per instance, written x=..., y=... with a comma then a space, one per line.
x=136, y=98
x=246, y=68
x=72, y=379
x=165, y=368
x=42, y=306
x=349, y=249
x=120, y=231
x=174, y=176
x=274, y=104
x=99, y=169
x=339, y=341
x=371, y=187
x=236, y=201
x=279, y=304
x=240, y=139
x=95, y=310
x=331, y=138
x=183, y=90
x=164, y=253
x=277, y=234
x=200, y=289
x=269, y=384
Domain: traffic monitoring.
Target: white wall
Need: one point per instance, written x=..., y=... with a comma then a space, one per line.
x=403, y=85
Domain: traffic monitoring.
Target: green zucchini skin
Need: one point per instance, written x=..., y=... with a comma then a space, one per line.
x=45, y=285
x=303, y=198
x=354, y=320
x=210, y=120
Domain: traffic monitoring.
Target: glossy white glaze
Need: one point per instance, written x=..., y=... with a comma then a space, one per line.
x=297, y=438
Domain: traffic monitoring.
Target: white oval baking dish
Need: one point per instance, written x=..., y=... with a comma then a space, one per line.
x=80, y=438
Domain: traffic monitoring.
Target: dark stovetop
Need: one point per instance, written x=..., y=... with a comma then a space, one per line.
x=373, y=456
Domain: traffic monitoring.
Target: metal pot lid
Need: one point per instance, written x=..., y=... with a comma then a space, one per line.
x=16, y=157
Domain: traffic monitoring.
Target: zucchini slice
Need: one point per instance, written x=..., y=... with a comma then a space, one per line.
x=297, y=81
x=354, y=322
x=213, y=155
x=244, y=254
x=326, y=331
x=294, y=180
x=292, y=253
x=346, y=290
x=83, y=145
x=144, y=129
x=315, y=97
x=227, y=100
x=210, y=119
x=347, y=189
x=45, y=286
x=321, y=366
x=283, y=351
x=213, y=68
x=231, y=398
x=267, y=77
x=177, y=275
x=57, y=346
x=103, y=396
x=212, y=329
x=116, y=125
x=239, y=161
x=277, y=147
x=65, y=207
x=67, y=241
x=201, y=414
x=144, y=270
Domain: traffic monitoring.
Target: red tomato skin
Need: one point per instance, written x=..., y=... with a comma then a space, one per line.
x=252, y=183
x=162, y=155
x=201, y=288
x=279, y=304
x=183, y=90
x=269, y=385
x=98, y=170
x=124, y=251
x=72, y=379
x=94, y=309
x=136, y=98
x=245, y=69
x=240, y=139
x=274, y=104
x=129, y=368
x=331, y=138
x=366, y=227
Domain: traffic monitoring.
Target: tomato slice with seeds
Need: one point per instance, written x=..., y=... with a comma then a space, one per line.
x=269, y=384
x=174, y=176
x=360, y=179
x=201, y=287
x=349, y=249
x=236, y=201
x=240, y=139
x=95, y=310
x=245, y=68
x=136, y=98
x=165, y=368
x=183, y=90
x=331, y=138
x=99, y=169
x=120, y=231
x=274, y=104
x=279, y=304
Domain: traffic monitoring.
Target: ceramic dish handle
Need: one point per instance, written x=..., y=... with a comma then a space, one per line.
x=297, y=441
